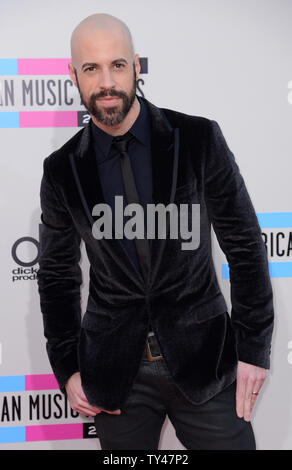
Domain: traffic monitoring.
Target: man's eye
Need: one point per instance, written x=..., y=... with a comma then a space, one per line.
x=90, y=69
x=119, y=65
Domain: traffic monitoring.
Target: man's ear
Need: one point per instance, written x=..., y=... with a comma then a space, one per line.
x=72, y=73
x=137, y=65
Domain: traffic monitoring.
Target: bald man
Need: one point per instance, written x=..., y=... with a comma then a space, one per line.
x=156, y=338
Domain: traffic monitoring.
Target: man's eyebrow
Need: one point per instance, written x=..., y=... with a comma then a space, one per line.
x=94, y=64
x=120, y=60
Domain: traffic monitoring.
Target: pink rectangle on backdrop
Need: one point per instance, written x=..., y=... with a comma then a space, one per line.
x=41, y=382
x=54, y=432
x=47, y=118
x=43, y=66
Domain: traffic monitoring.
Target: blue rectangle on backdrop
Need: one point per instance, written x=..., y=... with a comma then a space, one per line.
x=8, y=66
x=12, y=383
x=276, y=269
x=281, y=269
x=12, y=434
x=9, y=119
x=275, y=219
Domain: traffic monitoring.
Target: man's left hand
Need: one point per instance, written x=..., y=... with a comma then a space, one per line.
x=249, y=379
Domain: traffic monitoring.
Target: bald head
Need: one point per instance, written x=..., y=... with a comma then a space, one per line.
x=105, y=70
x=95, y=28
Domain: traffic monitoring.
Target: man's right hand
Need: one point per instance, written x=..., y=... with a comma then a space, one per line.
x=78, y=400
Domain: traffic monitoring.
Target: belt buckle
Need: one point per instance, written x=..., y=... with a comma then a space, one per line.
x=148, y=350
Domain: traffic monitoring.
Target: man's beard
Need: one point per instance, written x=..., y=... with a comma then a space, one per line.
x=109, y=116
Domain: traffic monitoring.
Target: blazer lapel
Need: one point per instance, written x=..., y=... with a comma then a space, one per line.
x=86, y=175
x=164, y=155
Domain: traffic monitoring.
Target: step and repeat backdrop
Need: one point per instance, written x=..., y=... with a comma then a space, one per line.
x=228, y=60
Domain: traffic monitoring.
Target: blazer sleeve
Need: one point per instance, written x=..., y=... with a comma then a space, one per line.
x=239, y=235
x=59, y=278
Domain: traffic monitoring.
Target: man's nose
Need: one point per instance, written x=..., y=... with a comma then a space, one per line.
x=106, y=79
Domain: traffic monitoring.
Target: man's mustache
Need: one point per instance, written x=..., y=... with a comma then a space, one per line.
x=104, y=94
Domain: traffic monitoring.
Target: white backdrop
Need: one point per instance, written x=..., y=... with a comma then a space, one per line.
x=228, y=60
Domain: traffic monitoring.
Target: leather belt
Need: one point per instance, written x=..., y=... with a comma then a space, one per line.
x=150, y=357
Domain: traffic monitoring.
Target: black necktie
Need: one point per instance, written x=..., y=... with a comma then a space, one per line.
x=142, y=245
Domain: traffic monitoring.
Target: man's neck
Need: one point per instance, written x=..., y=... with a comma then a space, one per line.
x=125, y=125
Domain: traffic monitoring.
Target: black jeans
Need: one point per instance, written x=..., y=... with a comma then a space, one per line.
x=213, y=425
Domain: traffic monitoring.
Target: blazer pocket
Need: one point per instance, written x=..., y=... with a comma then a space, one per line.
x=208, y=311
x=202, y=318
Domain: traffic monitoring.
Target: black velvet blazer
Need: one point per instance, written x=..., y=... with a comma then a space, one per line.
x=200, y=341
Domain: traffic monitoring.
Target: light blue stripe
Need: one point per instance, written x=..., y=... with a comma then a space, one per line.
x=275, y=219
x=9, y=119
x=8, y=66
x=276, y=269
x=281, y=269
x=12, y=434
x=12, y=383
x=225, y=271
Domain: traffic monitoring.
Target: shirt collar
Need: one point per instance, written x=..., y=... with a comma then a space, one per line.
x=140, y=130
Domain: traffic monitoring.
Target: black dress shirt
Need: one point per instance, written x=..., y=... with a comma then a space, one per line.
x=108, y=161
